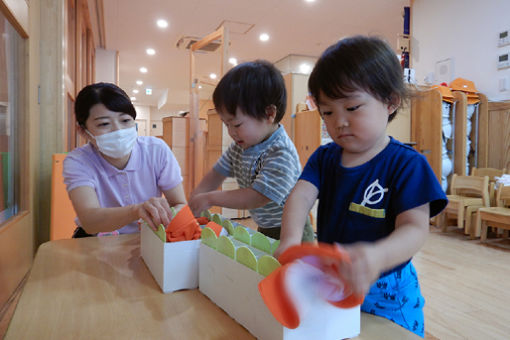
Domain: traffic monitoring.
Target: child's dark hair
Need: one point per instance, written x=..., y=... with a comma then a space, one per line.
x=252, y=87
x=110, y=95
x=358, y=63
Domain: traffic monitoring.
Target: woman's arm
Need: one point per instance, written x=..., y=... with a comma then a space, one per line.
x=176, y=197
x=299, y=203
x=369, y=260
x=95, y=219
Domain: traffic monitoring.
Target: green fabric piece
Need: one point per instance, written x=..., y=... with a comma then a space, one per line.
x=245, y=256
x=225, y=246
x=172, y=209
x=267, y=264
x=274, y=245
x=160, y=232
x=229, y=227
x=216, y=219
x=261, y=242
x=241, y=234
x=207, y=214
x=209, y=237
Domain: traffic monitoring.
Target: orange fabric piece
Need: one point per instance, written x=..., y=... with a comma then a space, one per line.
x=183, y=227
x=215, y=227
x=272, y=288
x=202, y=220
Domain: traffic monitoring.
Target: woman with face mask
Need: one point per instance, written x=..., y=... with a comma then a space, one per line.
x=118, y=178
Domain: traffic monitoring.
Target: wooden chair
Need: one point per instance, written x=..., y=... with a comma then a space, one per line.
x=62, y=212
x=498, y=216
x=468, y=193
x=492, y=173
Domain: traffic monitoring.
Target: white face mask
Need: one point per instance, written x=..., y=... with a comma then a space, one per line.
x=116, y=144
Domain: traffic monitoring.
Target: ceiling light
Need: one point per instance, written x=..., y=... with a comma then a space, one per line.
x=264, y=37
x=310, y=0
x=150, y=51
x=143, y=69
x=148, y=91
x=135, y=91
x=139, y=82
x=232, y=61
x=199, y=86
x=305, y=68
x=133, y=99
x=162, y=23
x=213, y=76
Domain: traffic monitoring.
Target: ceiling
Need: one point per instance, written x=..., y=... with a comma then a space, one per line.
x=295, y=27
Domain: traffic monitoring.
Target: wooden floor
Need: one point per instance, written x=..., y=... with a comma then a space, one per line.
x=466, y=286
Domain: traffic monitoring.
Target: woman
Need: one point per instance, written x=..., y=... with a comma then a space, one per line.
x=117, y=178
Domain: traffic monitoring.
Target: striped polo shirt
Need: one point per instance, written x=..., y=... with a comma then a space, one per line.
x=270, y=168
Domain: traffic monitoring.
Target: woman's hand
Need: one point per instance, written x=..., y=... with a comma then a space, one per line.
x=199, y=203
x=155, y=211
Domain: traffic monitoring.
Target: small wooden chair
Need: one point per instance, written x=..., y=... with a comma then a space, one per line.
x=468, y=193
x=498, y=216
x=492, y=173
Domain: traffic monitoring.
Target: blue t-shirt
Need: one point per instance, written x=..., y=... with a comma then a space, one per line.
x=362, y=203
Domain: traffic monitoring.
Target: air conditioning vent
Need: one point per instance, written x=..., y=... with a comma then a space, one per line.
x=185, y=42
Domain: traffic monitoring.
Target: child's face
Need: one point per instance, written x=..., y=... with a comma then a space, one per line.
x=247, y=131
x=357, y=123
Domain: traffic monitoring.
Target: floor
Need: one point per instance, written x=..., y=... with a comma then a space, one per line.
x=466, y=285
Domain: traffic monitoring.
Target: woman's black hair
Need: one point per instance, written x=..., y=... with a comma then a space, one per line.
x=110, y=95
x=358, y=63
x=252, y=87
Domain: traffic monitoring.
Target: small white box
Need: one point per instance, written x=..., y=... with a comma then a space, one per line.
x=234, y=288
x=174, y=265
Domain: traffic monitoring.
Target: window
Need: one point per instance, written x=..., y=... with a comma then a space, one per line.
x=12, y=76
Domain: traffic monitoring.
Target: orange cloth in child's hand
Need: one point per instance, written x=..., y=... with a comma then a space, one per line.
x=183, y=227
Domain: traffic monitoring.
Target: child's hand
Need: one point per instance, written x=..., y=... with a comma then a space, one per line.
x=154, y=211
x=364, y=268
x=199, y=203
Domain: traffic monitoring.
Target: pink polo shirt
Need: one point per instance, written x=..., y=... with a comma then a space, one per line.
x=151, y=169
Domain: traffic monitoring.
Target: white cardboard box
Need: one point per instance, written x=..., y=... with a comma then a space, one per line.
x=234, y=288
x=174, y=265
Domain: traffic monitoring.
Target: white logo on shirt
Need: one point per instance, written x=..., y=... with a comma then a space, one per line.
x=374, y=193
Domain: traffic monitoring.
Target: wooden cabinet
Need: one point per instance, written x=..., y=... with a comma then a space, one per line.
x=495, y=151
x=307, y=133
x=427, y=131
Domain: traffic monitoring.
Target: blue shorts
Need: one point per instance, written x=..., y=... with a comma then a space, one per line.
x=397, y=297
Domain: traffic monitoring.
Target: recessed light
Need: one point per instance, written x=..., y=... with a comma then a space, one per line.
x=232, y=61
x=310, y=0
x=143, y=69
x=199, y=86
x=135, y=91
x=150, y=51
x=148, y=91
x=305, y=68
x=133, y=99
x=162, y=23
x=264, y=37
x=213, y=76
x=139, y=82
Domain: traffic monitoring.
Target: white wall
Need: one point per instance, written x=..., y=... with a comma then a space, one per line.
x=106, y=66
x=466, y=31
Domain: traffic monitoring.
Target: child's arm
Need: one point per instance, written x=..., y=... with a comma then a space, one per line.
x=245, y=198
x=211, y=181
x=369, y=260
x=295, y=211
